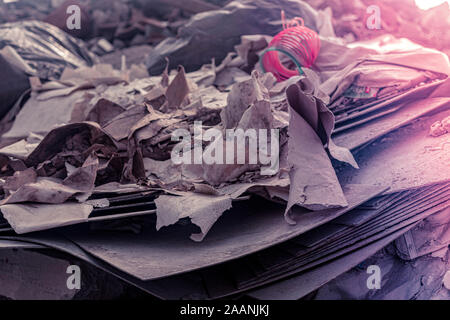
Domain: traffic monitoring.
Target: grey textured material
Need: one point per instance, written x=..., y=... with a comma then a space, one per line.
x=299, y=286
x=242, y=231
x=404, y=159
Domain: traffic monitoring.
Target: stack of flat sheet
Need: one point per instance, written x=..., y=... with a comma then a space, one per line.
x=384, y=105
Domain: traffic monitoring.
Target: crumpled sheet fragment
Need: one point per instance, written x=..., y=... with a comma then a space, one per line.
x=205, y=206
x=25, y=218
x=202, y=209
x=248, y=107
x=50, y=190
x=440, y=128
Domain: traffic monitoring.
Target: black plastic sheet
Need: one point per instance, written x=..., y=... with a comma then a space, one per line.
x=214, y=33
x=45, y=48
x=13, y=83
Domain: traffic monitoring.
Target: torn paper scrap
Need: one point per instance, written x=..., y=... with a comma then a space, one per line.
x=202, y=209
x=25, y=218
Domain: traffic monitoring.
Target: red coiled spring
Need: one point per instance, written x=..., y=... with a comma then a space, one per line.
x=297, y=42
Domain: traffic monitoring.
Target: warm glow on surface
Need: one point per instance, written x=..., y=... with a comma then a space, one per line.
x=427, y=4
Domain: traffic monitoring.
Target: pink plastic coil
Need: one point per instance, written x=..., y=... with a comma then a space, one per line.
x=299, y=43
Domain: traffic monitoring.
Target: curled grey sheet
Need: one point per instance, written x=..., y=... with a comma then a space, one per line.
x=309, y=103
x=314, y=184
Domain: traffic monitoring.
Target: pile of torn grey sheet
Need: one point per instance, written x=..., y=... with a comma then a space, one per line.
x=90, y=174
